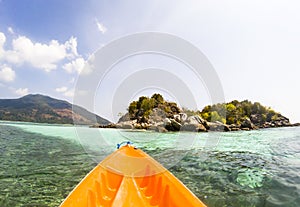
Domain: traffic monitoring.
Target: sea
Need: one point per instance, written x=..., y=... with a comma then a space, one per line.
x=40, y=163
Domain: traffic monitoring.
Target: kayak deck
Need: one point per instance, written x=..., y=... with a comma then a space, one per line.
x=130, y=177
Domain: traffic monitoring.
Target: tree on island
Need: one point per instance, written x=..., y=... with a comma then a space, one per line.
x=236, y=112
x=144, y=106
x=157, y=113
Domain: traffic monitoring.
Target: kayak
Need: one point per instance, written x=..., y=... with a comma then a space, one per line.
x=130, y=177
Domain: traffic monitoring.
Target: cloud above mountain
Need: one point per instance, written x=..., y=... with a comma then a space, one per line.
x=7, y=74
x=44, y=56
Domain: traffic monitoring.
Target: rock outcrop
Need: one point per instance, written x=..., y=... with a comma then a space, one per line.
x=159, y=115
x=195, y=124
x=180, y=122
x=218, y=126
x=247, y=124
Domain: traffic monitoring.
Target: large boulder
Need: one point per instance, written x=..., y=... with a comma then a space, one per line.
x=218, y=126
x=157, y=115
x=141, y=125
x=172, y=125
x=181, y=117
x=166, y=121
x=126, y=124
x=234, y=127
x=247, y=124
x=281, y=121
x=197, y=120
x=193, y=127
x=158, y=127
x=161, y=129
x=257, y=119
x=194, y=124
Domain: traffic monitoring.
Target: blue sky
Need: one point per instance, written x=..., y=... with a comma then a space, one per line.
x=254, y=46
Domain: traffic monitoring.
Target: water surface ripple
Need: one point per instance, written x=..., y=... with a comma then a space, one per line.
x=41, y=164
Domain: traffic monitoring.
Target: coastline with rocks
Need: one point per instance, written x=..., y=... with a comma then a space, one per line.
x=192, y=124
x=161, y=116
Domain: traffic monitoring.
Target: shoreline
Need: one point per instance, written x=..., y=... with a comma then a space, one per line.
x=220, y=127
x=155, y=113
x=194, y=124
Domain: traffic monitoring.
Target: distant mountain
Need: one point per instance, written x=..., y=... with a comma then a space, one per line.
x=44, y=109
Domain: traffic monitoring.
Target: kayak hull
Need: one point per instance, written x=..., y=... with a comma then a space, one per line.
x=130, y=177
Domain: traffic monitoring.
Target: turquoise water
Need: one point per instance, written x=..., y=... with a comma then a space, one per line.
x=41, y=164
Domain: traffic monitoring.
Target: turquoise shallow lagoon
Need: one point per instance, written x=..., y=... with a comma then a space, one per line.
x=40, y=164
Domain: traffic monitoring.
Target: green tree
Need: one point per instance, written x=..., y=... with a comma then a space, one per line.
x=158, y=99
x=140, y=101
x=132, y=109
x=230, y=107
x=147, y=104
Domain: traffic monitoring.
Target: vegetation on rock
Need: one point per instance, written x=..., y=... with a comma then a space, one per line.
x=142, y=108
x=236, y=112
x=159, y=114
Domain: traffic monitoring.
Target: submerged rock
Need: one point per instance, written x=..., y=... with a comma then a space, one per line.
x=252, y=178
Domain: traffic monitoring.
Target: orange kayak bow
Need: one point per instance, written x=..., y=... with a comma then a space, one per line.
x=130, y=177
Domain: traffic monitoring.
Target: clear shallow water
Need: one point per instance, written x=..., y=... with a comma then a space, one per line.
x=41, y=164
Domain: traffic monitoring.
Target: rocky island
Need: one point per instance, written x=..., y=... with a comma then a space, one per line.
x=157, y=114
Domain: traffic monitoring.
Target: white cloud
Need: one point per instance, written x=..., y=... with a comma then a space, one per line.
x=13, y=57
x=10, y=30
x=22, y=91
x=39, y=55
x=72, y=45
x=65, y=91
x=89, y=66
x=2, y=38
x=2, y=41
x=61, y=89
x=76, y=65
x=69, y=93
x=100, y=27
x=7, y=74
